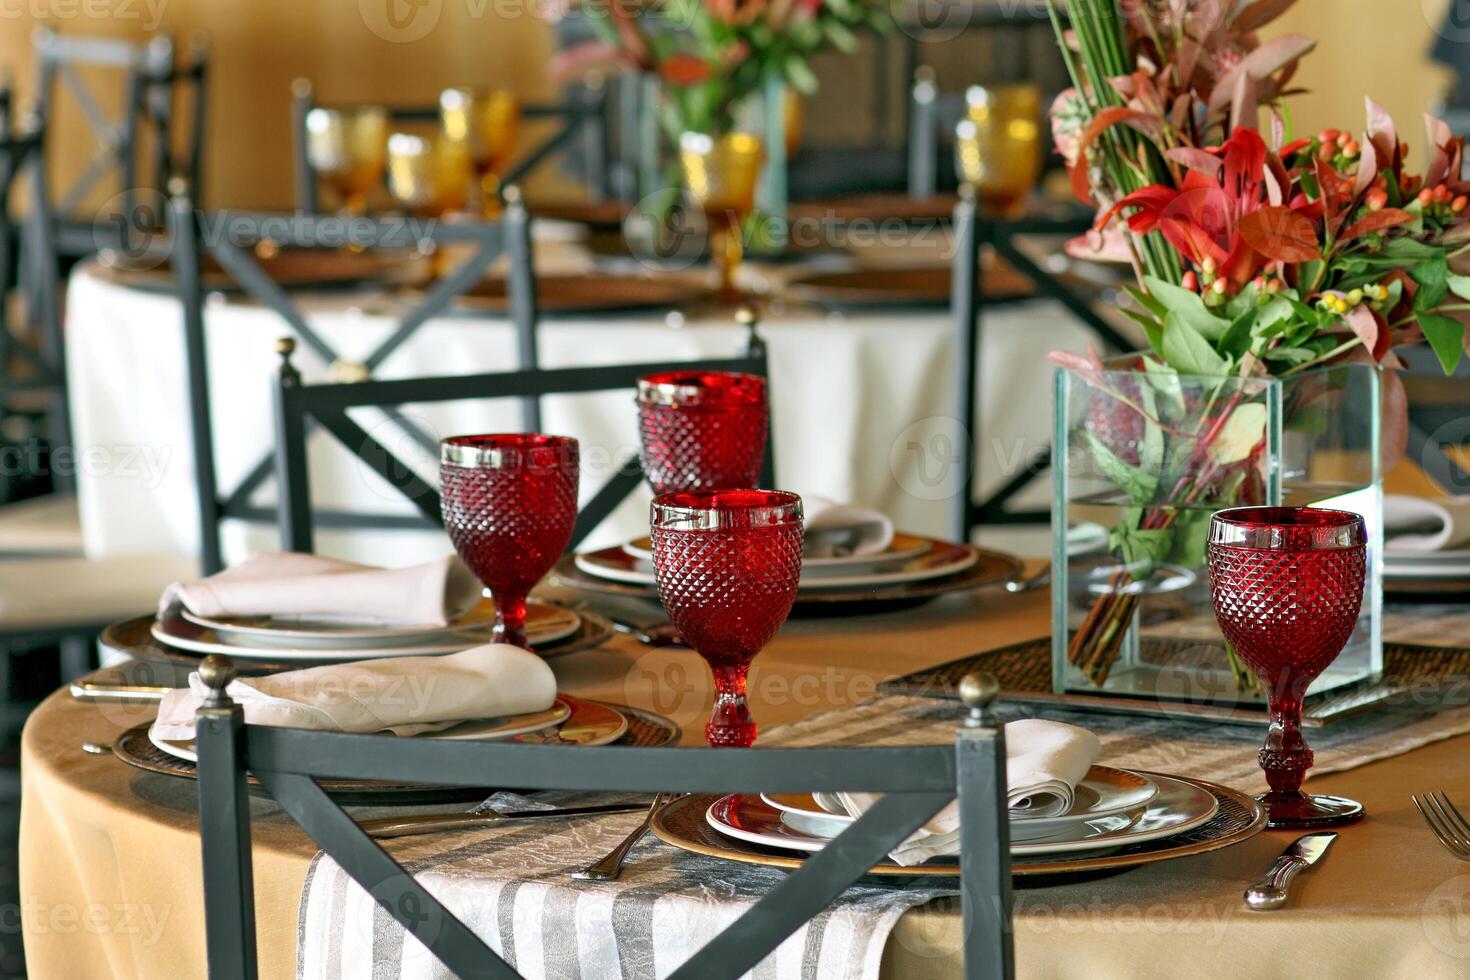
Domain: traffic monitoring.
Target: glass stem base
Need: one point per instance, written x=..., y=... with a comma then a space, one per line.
x=1296, y=810
x=510, y=621
x=731, y=724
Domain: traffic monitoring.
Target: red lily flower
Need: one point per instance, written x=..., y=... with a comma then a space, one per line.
x=1226, y=217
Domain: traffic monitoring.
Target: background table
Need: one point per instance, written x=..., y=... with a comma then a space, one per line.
x=100, y=839
x=862, y=407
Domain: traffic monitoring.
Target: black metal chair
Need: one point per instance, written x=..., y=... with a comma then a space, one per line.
x=32, y=368
x=230, y=238
x=328, y=404
x=916, y=782
x=151, y=83
x=972, y=233
x=583, y=118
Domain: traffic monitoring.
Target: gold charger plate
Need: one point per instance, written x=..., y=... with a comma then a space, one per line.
x=682, y=824
x=292, y=269
x=133, y=638
x=592, y=293
x=901, y=286
x=642, y=728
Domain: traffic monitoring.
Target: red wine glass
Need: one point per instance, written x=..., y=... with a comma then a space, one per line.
x=702, y=430
x=727, y=563
x=1287, y=585
x=509, y=504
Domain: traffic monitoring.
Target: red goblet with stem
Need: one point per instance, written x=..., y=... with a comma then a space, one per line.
x=702, y=430
x=727, y=563
x=509, y=504
x=1287, y=586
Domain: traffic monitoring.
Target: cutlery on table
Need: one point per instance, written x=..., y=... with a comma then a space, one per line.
x=1025, y=583
x=1445, y=822
x=93, y=691
x=431, y=823
x=611, y=866
x=1270, y=891
x=651, y=634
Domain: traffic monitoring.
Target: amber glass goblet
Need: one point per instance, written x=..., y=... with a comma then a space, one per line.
x=1287, y=586
x=348, y=149
x=998, y=147
x=721, y=174
x=430, y=176
x=702, y=430
x=727, y=564
x=509, y=503
x=487, y=124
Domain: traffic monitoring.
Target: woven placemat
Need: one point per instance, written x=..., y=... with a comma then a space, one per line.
x=1426, y=674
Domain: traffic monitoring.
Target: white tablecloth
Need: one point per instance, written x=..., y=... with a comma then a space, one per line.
x=861, y=407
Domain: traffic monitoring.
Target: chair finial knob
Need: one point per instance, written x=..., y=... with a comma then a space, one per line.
x=511, y=194
x=216, y=671
x=978, y=693
x=746, y=316
x=285, y=346
x=178, y=186
x=301, y=88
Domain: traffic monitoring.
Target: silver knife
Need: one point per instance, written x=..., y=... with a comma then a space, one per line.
x=431, y=823
x=1270, y=892
x=95, y=691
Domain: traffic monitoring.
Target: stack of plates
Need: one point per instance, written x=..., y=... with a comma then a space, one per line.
x=298, y=641
x=1427, y=571
x=911, y=567
x=569, y=721
x=1119, y=819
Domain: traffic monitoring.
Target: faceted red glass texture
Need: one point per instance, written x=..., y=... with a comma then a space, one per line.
x=702, y=430
x=1287, y=591
x=510, y=515
x=729, y=587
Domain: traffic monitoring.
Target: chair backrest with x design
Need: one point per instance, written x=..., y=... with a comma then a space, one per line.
x=31, y=354
x=328, y=404
x=150, y=81
x=232, y=239
x=916, y=783
x=582, y=117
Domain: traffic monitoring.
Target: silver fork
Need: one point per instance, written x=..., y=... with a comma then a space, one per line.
x=610, y=866
x=1445, y=822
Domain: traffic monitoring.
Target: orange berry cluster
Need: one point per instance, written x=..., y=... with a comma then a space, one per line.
x=1442, y=199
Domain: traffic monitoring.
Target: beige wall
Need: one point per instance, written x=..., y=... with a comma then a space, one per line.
x=354, y=52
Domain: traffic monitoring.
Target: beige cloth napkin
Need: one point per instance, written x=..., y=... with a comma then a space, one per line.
x=1045, y=760
x=1414, y=525
x=402, y=695
x=290, y=584
x=835, y=529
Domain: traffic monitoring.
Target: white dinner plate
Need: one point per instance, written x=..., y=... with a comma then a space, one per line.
x=486, y=730
x=179, y=633
x=545, y=623
x=903, y=547
x=1104, y=793
x=1177, y=807
x=939, y=560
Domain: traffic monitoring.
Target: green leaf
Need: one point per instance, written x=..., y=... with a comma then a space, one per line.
x=1447, y=336
x=800, y=75
x=1146, y=301
x=1240, y=435
x=1289, y=355
x=1432, y=275
x=1188, y=306
x=1187, y=351
x=1151, y=451
x=1165, y=380
x=1191, y=538
x=1140, y=550
x=1247, y=299
x=1136, y=483
x=1237, y=340
x=1152, y=330
x=1459, y=285
x=1273, y=318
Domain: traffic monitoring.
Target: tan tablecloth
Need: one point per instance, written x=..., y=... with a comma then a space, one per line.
x=110, y=878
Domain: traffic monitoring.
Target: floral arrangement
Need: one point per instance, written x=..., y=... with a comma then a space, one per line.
x=714, y=55
x=1257, y=256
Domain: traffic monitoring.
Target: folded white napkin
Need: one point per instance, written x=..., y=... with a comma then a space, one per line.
x=836, y=529
x=402, y=695
x=291, y=584
x=1045, y=760
x=1414, y=525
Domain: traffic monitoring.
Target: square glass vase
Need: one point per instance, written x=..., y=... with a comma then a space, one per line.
x=1145, y=457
